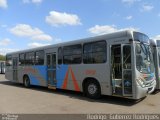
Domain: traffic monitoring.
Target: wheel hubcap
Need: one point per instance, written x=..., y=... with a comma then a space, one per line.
x=92, y=89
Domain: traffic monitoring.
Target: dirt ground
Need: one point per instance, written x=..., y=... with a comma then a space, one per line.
x=14, y=98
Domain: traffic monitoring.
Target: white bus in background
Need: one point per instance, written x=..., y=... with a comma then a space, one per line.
x=116, y=64
x=155, y=44
x=2, y=67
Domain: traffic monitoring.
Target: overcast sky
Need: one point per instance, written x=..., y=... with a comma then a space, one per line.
x=32, y=23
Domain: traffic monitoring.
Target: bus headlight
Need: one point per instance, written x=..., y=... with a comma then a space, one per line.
x=140, y=82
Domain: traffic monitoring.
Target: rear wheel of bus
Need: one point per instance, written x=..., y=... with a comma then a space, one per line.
x=26, y=81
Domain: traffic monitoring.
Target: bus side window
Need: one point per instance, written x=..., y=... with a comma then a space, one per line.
x=8, y=60
x=21, y=59
x=72, y=54
x=60, y=56
x=39, y=58
x=94, y=52
x=29, y=59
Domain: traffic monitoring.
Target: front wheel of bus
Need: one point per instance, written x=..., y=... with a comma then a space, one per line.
x=93, y=90
x=26, y=81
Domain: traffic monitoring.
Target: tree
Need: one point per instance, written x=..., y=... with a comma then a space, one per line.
x=2, y=58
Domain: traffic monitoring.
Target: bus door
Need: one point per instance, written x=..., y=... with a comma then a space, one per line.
x=15, y=71
x=51, y=70
x=121, y=72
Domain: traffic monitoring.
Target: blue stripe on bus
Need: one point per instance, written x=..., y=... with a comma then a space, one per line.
x=42, y=71
x=61, y=72
x=33, y=80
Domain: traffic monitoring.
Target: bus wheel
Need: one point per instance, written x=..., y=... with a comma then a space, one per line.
x=26, y=81
x=92, y=89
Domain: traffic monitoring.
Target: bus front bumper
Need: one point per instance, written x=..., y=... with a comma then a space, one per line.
x=140, y=92
x=151, y=87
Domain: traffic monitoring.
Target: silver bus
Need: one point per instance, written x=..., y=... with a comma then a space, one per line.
x=116, y=64
x=2, y=67
x=155, y=45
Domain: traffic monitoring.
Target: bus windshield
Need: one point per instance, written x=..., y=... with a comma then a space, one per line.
x=144, y=58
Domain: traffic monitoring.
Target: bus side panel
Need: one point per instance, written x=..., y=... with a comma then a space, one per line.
x=61, y=75
x=37, y=75
x=9, y=73
x=20, y=74
x=70, y=77
x=40, y=75
x=100, y=72
x=67, y=77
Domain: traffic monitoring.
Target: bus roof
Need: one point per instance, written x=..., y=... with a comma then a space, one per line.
x=123, y=33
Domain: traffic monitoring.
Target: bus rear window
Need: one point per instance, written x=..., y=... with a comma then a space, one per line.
x=8, y=60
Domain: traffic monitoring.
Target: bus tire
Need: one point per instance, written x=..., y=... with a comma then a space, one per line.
x=92, y=89
x=26, y=81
